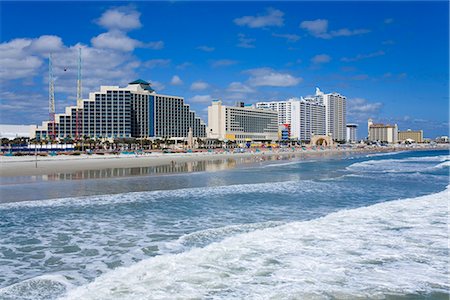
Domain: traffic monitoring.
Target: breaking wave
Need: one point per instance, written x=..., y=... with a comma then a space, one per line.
x=397, y=247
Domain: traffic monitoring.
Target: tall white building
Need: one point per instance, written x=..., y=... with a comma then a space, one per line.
x=284, y=109
x=351, y=133
x=308, y=118
x=241, y=123
x=335, y=109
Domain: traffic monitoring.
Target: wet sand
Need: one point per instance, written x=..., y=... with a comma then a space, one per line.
x=48, y=165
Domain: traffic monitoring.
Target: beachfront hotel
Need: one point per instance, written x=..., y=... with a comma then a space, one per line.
x=335, y=109
x=385, y=133
x=321, y=114
x=241, y=123
x=352, y=132
x=283, y=108
x=134, y=111
x=411, y=135
x=308, y=119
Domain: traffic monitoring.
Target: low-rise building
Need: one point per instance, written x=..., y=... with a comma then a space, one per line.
x=241, y=123
x=411, y=135
x=384, y=133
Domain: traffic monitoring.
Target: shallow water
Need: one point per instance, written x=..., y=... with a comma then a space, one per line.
x=370, y=226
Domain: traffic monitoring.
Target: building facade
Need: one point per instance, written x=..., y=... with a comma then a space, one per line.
x=134, y=111
x=283, y=108
x=352, y=133
x=241, y=124
x=308, y=118
x=384, y=133
x=414, y=135
x=336, y=110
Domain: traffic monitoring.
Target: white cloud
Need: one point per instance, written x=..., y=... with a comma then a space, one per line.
x=273, y=17
x=321, y=59
x=270, y=77
x=199, y=86
x=223, y=63
x=122, y=18
x=289, y=37
x=118, y=40
x=316, y=27
x=201, y=99
x=245, y=42
x=362, y=56
x=389, y=21
x=206, y=48
x=319, y=29
x=46, y=44
x=360, y=109
x=176, y=80
x=104, y=63
x=115, y=40
x=155, y=63
x=239, y=87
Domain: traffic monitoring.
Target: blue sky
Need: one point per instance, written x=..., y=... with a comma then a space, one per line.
x=390, y=59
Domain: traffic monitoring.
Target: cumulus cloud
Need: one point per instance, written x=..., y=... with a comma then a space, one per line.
x=270, y=77
x=239, y=87
x=122, y=18
x=363, y=56
x=199, y=85
x=289, y=37
x=107, y=61
x=46, y=44
x=223, y=63
x=201, y=99
x=319, y=29
x=176, y=80
x=272, y=17
x=206, y=48
x=115, y=40
x=321, y=59
x=245, y=42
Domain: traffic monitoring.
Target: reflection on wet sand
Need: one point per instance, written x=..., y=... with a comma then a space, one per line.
x=172, y=168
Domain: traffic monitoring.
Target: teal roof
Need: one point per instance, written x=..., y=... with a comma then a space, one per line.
x=140, y=81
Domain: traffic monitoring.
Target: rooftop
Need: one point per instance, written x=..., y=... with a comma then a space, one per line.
x=140, y=81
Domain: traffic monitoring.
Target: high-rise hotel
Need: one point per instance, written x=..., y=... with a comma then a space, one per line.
x=335, y=109
x=133, y=111
x=321, y=114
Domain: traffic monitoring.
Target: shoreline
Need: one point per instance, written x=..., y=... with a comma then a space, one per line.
x=41, y=166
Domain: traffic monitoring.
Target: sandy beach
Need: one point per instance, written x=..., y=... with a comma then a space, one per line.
x=11, y=166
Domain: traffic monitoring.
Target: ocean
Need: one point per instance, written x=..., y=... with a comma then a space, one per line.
x=352, y=227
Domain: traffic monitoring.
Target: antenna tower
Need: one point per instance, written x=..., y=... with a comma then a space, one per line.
x=79, y=97
x=51, y=98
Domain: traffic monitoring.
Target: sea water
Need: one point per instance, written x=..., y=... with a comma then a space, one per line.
x=370, y=226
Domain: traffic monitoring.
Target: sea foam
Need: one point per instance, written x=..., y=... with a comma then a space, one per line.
x=397, y=247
